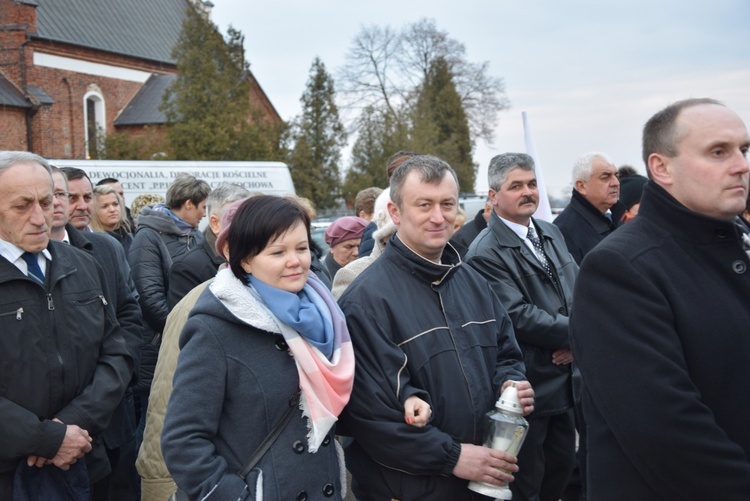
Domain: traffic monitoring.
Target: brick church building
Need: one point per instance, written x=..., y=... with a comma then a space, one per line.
x=71, y=67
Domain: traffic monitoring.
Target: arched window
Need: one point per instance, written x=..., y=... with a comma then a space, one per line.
x=94, y=121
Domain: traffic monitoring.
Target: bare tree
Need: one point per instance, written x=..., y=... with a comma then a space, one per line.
x=386, y=68
x=367, y=78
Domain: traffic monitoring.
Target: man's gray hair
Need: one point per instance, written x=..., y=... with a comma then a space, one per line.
x=431, y=170
x=224, y=194
x=501, y=165
x=11, y=158
x=583, y=167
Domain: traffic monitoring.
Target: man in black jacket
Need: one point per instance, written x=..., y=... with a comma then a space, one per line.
x=424, y=324
x=660, y=321
x=526, y=262
x=119, y=437
x=65, y=365
x=593, y=212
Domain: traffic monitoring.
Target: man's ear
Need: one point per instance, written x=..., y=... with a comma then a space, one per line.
x=394, y=212
x=580, y=186
x=660, y=168
x=214, y=222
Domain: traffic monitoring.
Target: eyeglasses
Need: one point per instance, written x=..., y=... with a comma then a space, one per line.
x=62, y=195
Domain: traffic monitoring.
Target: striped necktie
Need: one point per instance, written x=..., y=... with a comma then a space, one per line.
x=32, y=262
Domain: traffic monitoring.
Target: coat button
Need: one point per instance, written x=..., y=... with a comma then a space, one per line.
x=298, y=447
x=739, y=267
x=280, y=344
x=328, y=490
x=561, y=310
x=327, y=440
x=721, y=233
x=301, y=496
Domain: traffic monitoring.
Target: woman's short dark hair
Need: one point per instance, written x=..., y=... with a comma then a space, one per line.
x=259, y=221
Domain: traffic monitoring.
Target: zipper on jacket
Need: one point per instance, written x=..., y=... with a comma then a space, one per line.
x=460, y=363
x=104, y=301
x=18, y=313
x=50, y=302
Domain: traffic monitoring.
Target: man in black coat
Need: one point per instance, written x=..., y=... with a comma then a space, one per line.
x=422, y=323
x=65, y=365
x=593, y=212
x=119, y=437
x=660, y=321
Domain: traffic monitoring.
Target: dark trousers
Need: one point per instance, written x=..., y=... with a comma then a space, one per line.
x=546, y=458
x=123, y=483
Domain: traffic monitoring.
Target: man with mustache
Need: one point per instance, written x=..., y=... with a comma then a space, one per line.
x=532, y=273
x=589, y=218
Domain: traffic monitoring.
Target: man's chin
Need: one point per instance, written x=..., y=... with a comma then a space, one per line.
x=79, y=223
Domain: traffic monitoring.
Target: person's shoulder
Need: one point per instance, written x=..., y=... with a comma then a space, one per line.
x=566, y=217
x=195, y=256
x=77, y=261
x=376, y=279
x=104, y=241
x=69, y=254
x=629, y=243
x=548, y=228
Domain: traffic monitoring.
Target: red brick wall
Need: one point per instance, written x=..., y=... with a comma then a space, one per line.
x=62, y=126
x=13, y=129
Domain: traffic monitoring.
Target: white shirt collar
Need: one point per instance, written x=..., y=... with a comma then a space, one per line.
x=518, y=229
x=13, y=254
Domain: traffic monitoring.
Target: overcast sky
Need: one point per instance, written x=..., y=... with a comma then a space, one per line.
x=588, y=73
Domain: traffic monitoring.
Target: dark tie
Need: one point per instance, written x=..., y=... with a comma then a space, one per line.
x=32, y=261
x=531, y=235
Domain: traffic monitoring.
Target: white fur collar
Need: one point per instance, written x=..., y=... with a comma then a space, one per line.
x=236, y=297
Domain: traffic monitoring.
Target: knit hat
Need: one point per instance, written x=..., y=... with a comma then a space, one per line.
x=345, y=228
x=631, y=188
x=226, y=219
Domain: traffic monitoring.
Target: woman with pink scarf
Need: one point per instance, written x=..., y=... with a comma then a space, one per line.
x=264, y=336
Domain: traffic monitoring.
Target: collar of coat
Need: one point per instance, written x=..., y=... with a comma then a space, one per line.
x=508, y=238
x=593, y=215
x=423, y=268
x=661, y=208
x=236, y=298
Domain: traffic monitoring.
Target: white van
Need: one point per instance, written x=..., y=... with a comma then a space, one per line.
x=140, y=177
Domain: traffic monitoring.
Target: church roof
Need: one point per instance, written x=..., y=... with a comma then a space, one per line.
x=145, y=29
x=143, y=109
x=11, y=96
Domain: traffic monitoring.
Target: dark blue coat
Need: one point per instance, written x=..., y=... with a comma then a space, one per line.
x=661, y=332
x=61, y=355
x=436, y=330
x=584, y=226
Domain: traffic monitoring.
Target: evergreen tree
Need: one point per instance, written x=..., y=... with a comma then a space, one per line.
x=440, y=126
x=208, y=106
x=318, y=139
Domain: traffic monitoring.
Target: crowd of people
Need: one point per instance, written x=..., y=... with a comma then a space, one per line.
x=143, y=358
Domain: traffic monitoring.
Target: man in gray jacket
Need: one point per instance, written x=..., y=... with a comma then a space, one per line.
x=532, y=273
